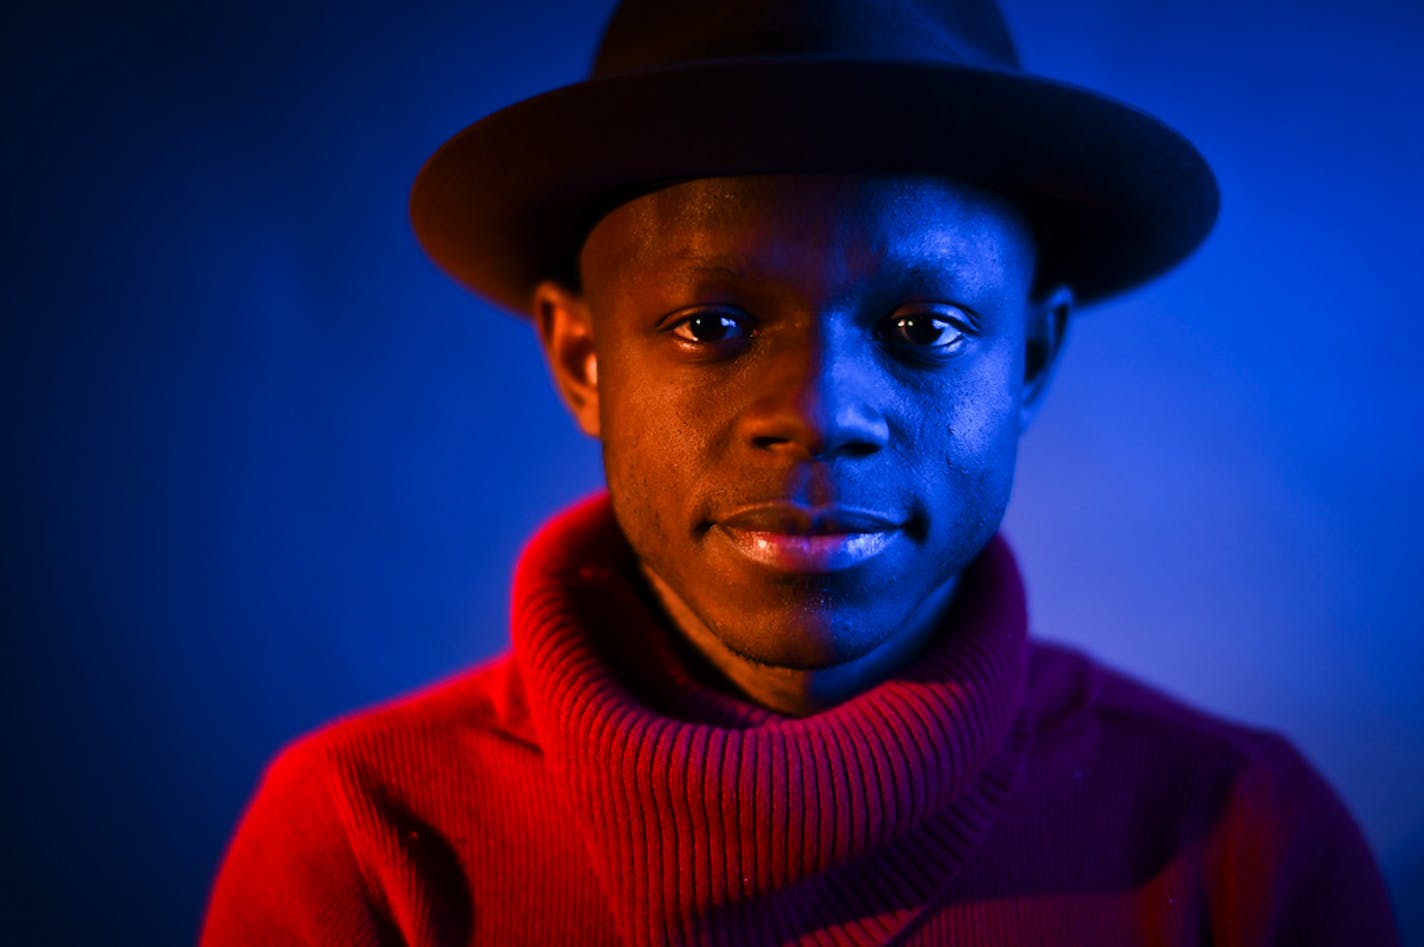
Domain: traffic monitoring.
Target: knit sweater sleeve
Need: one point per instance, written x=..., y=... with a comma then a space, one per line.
x=1292, y=867
x=291, y=876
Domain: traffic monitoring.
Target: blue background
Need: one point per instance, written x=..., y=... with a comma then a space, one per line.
x=269, y=466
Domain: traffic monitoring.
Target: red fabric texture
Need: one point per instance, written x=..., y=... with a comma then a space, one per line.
x=590, y=788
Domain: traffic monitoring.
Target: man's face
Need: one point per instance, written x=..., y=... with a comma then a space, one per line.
x=809, y=391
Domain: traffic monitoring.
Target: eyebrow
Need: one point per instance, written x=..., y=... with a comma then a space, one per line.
x=722, y=265
x=914, y=274
x=735, y=267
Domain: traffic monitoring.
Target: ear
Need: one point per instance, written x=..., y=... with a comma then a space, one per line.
x=1047, y=325
x=566, y=332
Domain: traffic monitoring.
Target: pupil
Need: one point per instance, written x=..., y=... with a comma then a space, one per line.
x=710, y=328
x=921, y=331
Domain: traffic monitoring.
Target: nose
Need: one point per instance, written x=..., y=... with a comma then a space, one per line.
x=818, y=396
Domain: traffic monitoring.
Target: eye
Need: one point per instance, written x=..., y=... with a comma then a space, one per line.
x=709, y=328
x=937, y=331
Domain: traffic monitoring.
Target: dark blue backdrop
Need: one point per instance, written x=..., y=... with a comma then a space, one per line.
x=267, y=465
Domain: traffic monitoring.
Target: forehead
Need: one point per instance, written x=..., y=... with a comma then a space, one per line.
x=803, y=226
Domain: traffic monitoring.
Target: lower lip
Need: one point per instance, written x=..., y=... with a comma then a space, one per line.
x=827, y=552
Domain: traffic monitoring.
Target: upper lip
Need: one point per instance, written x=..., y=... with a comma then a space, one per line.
x=793, y=519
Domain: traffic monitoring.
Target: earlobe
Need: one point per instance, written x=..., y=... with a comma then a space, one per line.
x=566, y=334
x=1047, y=326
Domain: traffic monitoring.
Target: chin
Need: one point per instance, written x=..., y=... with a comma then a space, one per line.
x=802, y=641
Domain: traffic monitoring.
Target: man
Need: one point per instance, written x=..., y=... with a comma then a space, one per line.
x=805, y=271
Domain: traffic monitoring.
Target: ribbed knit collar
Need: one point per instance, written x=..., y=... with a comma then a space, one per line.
x=710, y=820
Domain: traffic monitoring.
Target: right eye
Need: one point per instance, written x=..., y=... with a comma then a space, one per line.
x=709, y=328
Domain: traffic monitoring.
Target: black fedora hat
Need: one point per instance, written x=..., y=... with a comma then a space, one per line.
x=681, y=91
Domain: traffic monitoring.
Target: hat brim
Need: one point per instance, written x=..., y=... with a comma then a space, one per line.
x=1115, y=196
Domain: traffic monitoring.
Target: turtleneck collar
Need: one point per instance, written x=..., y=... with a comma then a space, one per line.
x=712, y=820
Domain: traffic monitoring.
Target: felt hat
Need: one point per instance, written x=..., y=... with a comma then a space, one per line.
x=691, y=90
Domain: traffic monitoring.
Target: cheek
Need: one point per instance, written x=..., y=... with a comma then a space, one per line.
x=652, y=433
x=661, y=420
x=972, y=442
x=987, y=405
x=658, y=438
x=642, y=446
x=983, y=429
x=971, y=413
x=640, y=491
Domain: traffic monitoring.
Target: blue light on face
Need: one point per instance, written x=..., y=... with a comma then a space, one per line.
x=270, y=466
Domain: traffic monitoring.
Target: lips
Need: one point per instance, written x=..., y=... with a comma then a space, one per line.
x=794, y=539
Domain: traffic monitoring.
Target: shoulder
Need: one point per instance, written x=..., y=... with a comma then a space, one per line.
x=486, y=701
x=1073, y=698
x=401, y=739
x=342, y=812
x=1289, y=863
x=1104, y=717
x=472, y=726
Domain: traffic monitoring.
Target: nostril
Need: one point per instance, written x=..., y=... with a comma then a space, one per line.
x=821, y=420
x=769, y=442
x=816, y=448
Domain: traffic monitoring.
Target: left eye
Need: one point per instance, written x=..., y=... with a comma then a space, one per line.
x=924, y=330
x=709, y=327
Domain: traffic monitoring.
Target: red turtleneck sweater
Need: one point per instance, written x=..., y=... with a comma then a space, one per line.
x=589, y=789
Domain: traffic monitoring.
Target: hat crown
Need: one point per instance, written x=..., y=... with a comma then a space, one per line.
x=656, y=34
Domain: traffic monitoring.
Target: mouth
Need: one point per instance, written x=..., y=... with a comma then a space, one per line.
x=793, y=539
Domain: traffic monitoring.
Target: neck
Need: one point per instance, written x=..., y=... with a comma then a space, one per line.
x=868, y=810
x=797, y=691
